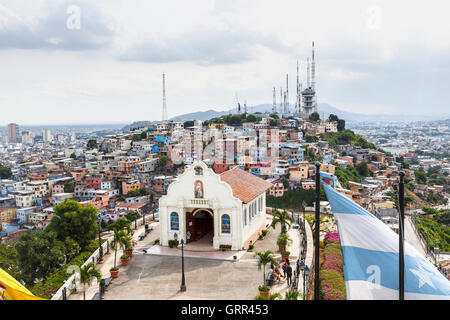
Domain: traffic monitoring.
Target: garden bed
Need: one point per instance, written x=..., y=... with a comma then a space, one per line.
x=332, y=283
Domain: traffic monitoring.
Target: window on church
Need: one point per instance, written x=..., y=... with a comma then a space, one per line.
x=225, y=223
x=174, y=222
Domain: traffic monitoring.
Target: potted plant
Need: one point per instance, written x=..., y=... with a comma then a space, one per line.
x=263, y=259
x=283, y=218
x=130, y=243
x=264, y=291
x=114, y=271
x=88, y=272
x=173, y=243
x=282, y=241
x=285, y=255
x=124, y=259
x=120, y=240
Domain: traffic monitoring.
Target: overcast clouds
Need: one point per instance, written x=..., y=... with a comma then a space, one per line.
x=110, y=69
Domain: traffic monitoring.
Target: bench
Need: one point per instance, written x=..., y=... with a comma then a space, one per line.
x=270, y=280
x=142, y=235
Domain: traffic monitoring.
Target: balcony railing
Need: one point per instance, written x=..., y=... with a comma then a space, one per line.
x=200, y=202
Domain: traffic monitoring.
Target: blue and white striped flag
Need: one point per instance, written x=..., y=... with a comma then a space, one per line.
x=370, y=256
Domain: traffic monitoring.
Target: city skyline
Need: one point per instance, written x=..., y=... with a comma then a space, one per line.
x=109, y=66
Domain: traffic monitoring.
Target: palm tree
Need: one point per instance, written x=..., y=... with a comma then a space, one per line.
x=263, y=259
x=88, y=272
x=120, y=240
x=283, y=218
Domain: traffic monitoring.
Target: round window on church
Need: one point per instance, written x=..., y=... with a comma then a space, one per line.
x=226, y=224
x=174, y=222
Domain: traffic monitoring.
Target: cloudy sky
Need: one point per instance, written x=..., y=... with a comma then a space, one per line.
x=102, y=61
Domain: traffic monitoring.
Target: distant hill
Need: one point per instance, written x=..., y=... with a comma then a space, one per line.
x=324, y=110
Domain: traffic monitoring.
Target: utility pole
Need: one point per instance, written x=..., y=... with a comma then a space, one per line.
x=316, y=235
x=164, y=112
x=401, y=221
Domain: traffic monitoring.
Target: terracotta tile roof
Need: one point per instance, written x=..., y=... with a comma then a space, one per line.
x=245, y=186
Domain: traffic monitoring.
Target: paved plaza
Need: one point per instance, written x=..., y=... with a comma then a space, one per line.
x=149, y=277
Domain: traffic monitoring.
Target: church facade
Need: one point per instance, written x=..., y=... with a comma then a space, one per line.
x=224, y=210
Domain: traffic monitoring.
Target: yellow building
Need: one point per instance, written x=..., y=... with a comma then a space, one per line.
x=6, y=214
x=327, y=168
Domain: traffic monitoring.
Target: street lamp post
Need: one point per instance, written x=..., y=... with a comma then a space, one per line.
x=100, y=248
x=183, y=282
x=305, y=273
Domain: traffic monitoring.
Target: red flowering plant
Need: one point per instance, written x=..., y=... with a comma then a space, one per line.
x=332, y=283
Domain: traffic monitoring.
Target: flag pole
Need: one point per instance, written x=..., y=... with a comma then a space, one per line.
x=401, y=220
x=316, y=235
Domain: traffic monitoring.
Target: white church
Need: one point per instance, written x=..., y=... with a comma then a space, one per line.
x=214, y=210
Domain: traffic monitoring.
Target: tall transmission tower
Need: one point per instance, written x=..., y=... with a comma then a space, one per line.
x=164, y=111
x=274, y=107
x=313, y=69
x=287, y=95
x=308, y=81
x=298, y=92
x=281, y=100
x=313, y=76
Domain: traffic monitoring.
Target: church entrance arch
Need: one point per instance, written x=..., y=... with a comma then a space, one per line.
x=201, y=225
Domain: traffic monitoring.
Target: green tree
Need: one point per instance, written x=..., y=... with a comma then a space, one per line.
x=333, y=117
x=5, y=172
x=132, y=215
x=39, y=254
x=273, y=122
x=188, y=124
x=362, y=169
x=74, y=221
x=73, y=155
x=341, y=125
x=8, y=259
x=421, y=177
x=283, y=218
x=92, y=144
x=308, y=138
x=314, y=116
x=69, y=187
x=263, y=259
x=87, y=273
x=122, y=224
x=120, y=240
x=163, y=162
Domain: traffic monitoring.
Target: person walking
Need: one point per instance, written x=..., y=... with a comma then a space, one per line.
x=288, y=273
x=284, y=266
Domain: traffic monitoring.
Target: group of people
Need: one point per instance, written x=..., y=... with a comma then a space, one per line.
x=275, y=274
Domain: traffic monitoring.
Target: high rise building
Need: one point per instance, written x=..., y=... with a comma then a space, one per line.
x=13, y=132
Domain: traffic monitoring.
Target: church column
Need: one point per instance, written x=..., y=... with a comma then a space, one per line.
x=216, y=216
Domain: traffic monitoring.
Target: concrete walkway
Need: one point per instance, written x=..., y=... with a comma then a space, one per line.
x=158, y=277
x=108, y=262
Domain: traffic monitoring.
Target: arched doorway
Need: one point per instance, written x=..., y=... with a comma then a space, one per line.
x=201, y=227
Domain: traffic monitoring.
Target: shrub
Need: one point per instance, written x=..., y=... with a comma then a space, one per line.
x=332, y=237
x=124, y=257
x=114, y=269
x=264, y=232
x=54, y=281
x=332, y=283
x=285, y=253
x=283, y=239
x=250, y=247
x=263, y=288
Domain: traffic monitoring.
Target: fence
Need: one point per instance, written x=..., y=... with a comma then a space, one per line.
x=305, y=256
x=429, y=252
x=65, y=290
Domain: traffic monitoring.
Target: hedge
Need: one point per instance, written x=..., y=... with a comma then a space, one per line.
x=49, y=286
